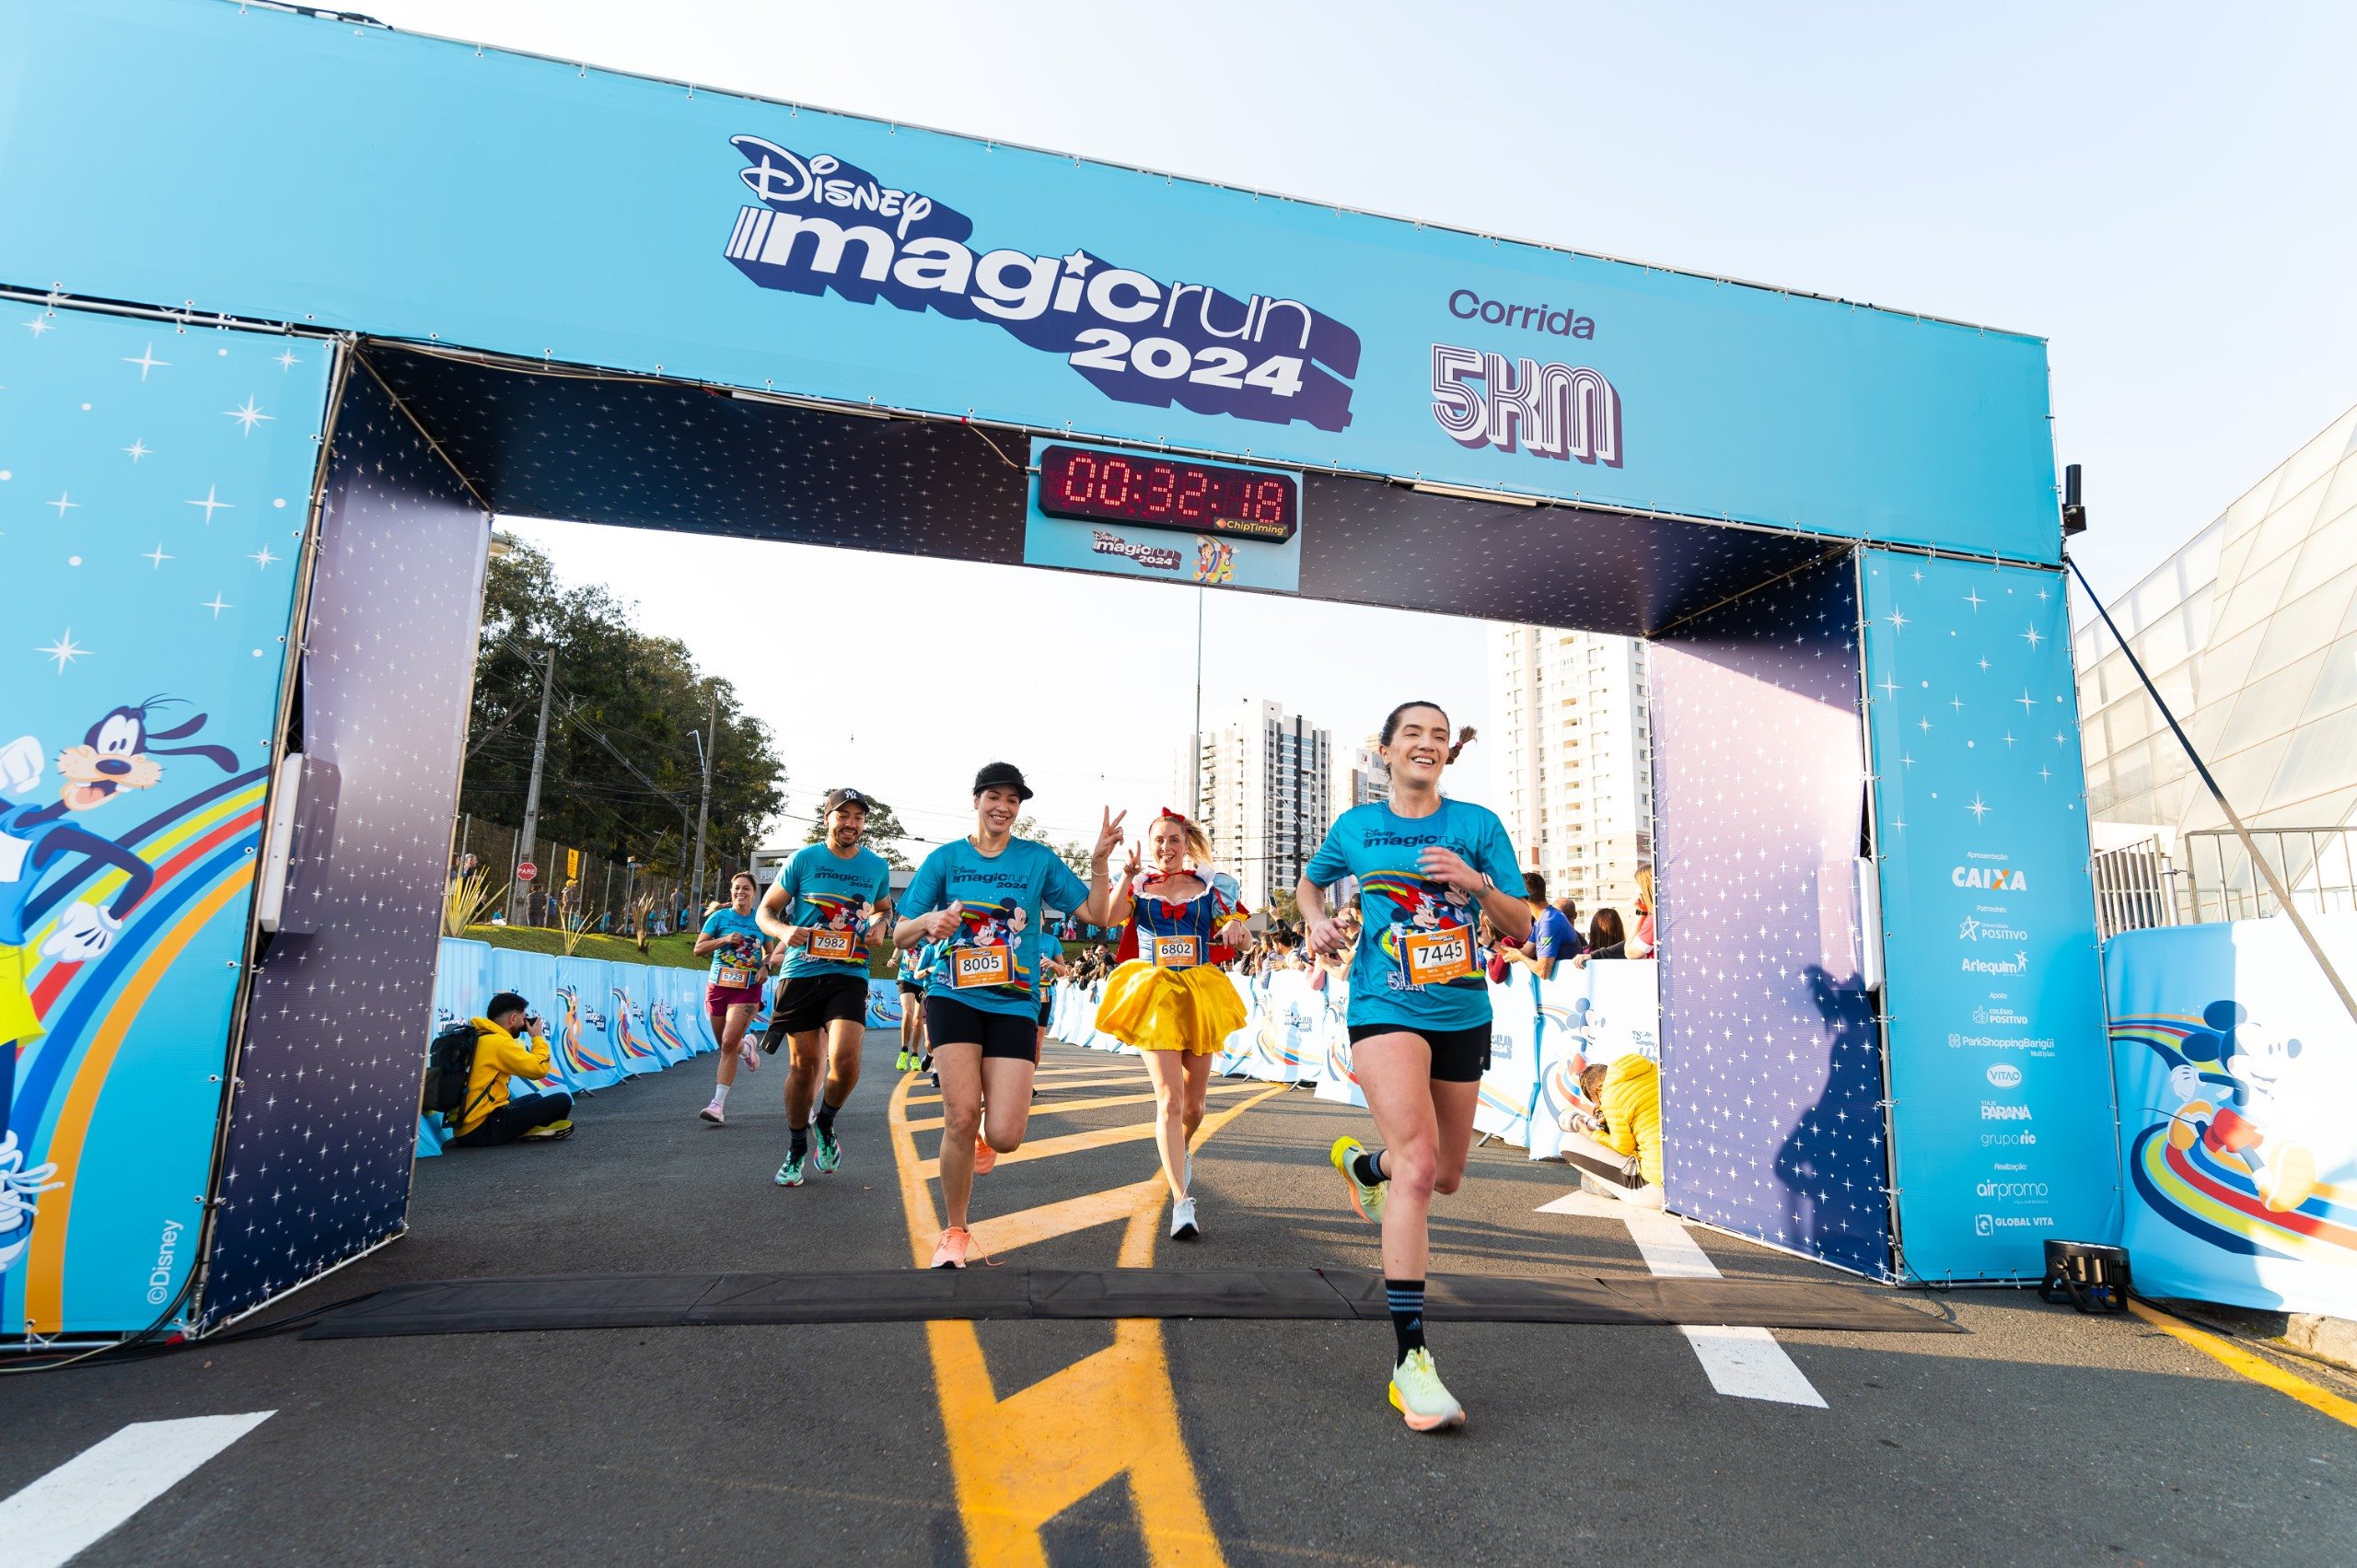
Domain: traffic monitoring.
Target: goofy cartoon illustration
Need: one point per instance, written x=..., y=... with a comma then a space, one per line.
x=116, y=754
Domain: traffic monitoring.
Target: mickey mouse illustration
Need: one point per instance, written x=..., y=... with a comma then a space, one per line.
x=117, y=753
x=2229, y=1079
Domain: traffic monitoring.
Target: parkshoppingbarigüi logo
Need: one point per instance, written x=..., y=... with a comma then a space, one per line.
x=827, y=226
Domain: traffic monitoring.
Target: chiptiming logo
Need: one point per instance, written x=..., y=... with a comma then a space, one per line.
x=827, y=226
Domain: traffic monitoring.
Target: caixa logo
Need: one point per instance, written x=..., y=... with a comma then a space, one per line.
x=2003, y=1075
x=1996, y=879
x=826, y=226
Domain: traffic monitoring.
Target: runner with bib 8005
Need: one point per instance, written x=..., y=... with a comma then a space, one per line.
x=982, y=895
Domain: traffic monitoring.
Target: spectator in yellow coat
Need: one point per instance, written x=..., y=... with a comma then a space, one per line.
x=1617, y=1142
x=491, y=1115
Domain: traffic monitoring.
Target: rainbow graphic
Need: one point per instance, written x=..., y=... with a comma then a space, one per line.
x=571, y=1045
x=637, y=1055
x=2192, y=1164
x=203, y=850
x=667, y=1030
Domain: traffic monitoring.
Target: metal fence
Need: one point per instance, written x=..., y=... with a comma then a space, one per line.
x=605, y=887
x=2221, y=881
x=2135, y=888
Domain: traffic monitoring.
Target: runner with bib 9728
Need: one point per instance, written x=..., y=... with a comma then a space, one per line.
x=829, y=899
x=982, y=895
x=1428, y=868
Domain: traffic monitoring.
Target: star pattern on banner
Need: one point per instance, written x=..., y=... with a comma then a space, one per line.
x=1772, y=1120
x=656, y=456
x=325, y=1126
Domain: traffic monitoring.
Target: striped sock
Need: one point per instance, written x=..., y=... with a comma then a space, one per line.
x=1407, y=1301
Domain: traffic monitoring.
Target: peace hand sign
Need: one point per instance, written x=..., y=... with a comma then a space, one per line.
x=1108, y=837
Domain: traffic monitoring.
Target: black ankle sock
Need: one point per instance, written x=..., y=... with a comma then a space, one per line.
x=1407, y=1301
x=827, y=1116
x=801, y=1144
x=1366, y=1168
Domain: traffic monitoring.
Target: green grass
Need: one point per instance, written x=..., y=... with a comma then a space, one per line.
x=676, y=951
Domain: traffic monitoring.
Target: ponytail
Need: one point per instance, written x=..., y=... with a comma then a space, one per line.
x=1464, y=739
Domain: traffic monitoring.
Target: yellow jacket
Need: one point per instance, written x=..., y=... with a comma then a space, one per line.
x=499, y=1056
x=1631, y=1107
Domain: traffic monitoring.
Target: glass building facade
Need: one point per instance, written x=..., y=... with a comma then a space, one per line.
x=2249, y=632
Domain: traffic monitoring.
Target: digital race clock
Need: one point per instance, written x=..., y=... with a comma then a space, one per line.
x=1095, y=485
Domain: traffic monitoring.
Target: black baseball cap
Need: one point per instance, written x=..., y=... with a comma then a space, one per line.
x=997, y=775
x=844, y=797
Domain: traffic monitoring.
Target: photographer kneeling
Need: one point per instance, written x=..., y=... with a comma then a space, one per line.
x=491, y=1115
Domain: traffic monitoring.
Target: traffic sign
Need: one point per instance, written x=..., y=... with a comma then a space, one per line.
x=526, y=871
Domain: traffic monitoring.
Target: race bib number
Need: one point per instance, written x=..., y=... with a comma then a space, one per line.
x=981, y=966
x=832, y=947
x=1174, y=952
x=735, y=977
x=1437, y=956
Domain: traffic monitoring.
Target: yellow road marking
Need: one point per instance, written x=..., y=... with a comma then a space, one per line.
x=1004, y=1233
x=2257, y=1369
x=930, y=1099
x=1017, y=1462
x=1069, y=1144
x=1057, y=1108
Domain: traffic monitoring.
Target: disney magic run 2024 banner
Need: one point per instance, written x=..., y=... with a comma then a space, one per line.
x=154, y=485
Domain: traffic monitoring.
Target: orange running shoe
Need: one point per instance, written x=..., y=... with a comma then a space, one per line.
x=949, y=1253
x=984, y=1155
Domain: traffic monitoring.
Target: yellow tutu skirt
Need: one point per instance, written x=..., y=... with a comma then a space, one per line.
x=1157, y=1009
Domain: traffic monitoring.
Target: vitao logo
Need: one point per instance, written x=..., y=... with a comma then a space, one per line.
x=827, y=226
x=2005, y=1075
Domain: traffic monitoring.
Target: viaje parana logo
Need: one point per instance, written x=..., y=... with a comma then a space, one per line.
x=827, y=226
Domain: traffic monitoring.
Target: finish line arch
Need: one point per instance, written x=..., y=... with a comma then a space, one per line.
x=423, y=283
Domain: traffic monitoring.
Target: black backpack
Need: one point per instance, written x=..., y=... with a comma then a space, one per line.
x=449, y=1064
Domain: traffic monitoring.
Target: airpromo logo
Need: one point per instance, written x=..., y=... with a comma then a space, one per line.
x=827, y=226
x=1995, y=878
x=2003, y=1075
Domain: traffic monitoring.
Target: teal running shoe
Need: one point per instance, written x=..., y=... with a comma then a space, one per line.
x=829, y=1155
x=792, y=1173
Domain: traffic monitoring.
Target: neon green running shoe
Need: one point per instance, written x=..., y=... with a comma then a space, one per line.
x=1420, y=1398
x=1367, y=1200
x=790, y=1173
x=829, y=1154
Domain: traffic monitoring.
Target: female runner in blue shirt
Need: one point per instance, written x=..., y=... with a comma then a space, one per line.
x=1428, y=867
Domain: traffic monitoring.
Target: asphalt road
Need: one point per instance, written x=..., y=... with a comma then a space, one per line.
x=2035, y=1435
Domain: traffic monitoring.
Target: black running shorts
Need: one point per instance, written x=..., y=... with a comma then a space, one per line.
x=949, y=1021
x=912, y=988
x=1459, y=1056
x=814, y=1001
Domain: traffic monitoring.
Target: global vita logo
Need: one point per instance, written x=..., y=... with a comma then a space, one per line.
x=827, y=226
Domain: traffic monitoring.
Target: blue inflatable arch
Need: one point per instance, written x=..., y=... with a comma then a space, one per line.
x=320, y=298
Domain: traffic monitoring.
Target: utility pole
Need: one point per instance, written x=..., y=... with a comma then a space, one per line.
x=703, y=812
x=520, y=911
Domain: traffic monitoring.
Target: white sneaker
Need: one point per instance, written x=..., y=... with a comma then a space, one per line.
x=1182, y=1221
x=715, y=1113
x=751, y=1054
x=1419, y=1396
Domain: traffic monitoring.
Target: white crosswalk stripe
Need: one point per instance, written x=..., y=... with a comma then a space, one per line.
x=96, y=1490
x=1743, y=1363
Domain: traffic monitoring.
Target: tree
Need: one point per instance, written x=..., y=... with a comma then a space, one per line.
x=622, y=776
x=1284, y=907
x=1071, y=855
x=884, y=833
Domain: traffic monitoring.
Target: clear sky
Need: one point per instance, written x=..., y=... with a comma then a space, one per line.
x=2160, y=191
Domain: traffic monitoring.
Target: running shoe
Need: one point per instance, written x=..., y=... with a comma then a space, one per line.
x=1417, y=1394
x=554, y=1132
x=1367, y=1200
x=715, y=1114
x=829, y=1154
x=751, y=1054
x=19, y=1185
x=904, y=1061
x=792, y=1174
x=949, y=1253
x=984, y=1155
x=1182, y=1221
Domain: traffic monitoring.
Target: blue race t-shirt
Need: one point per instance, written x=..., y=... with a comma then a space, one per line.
x=834, y=895
x=996, y=948
x=1408, y=918
x=1552, y=936
x=737, y=966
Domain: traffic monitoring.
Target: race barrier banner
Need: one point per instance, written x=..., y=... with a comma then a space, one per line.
x=2236, y=1071
x=1542, y=1032
x=606, y=1021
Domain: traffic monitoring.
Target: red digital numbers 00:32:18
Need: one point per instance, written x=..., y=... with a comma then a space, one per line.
x=1167, y=493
